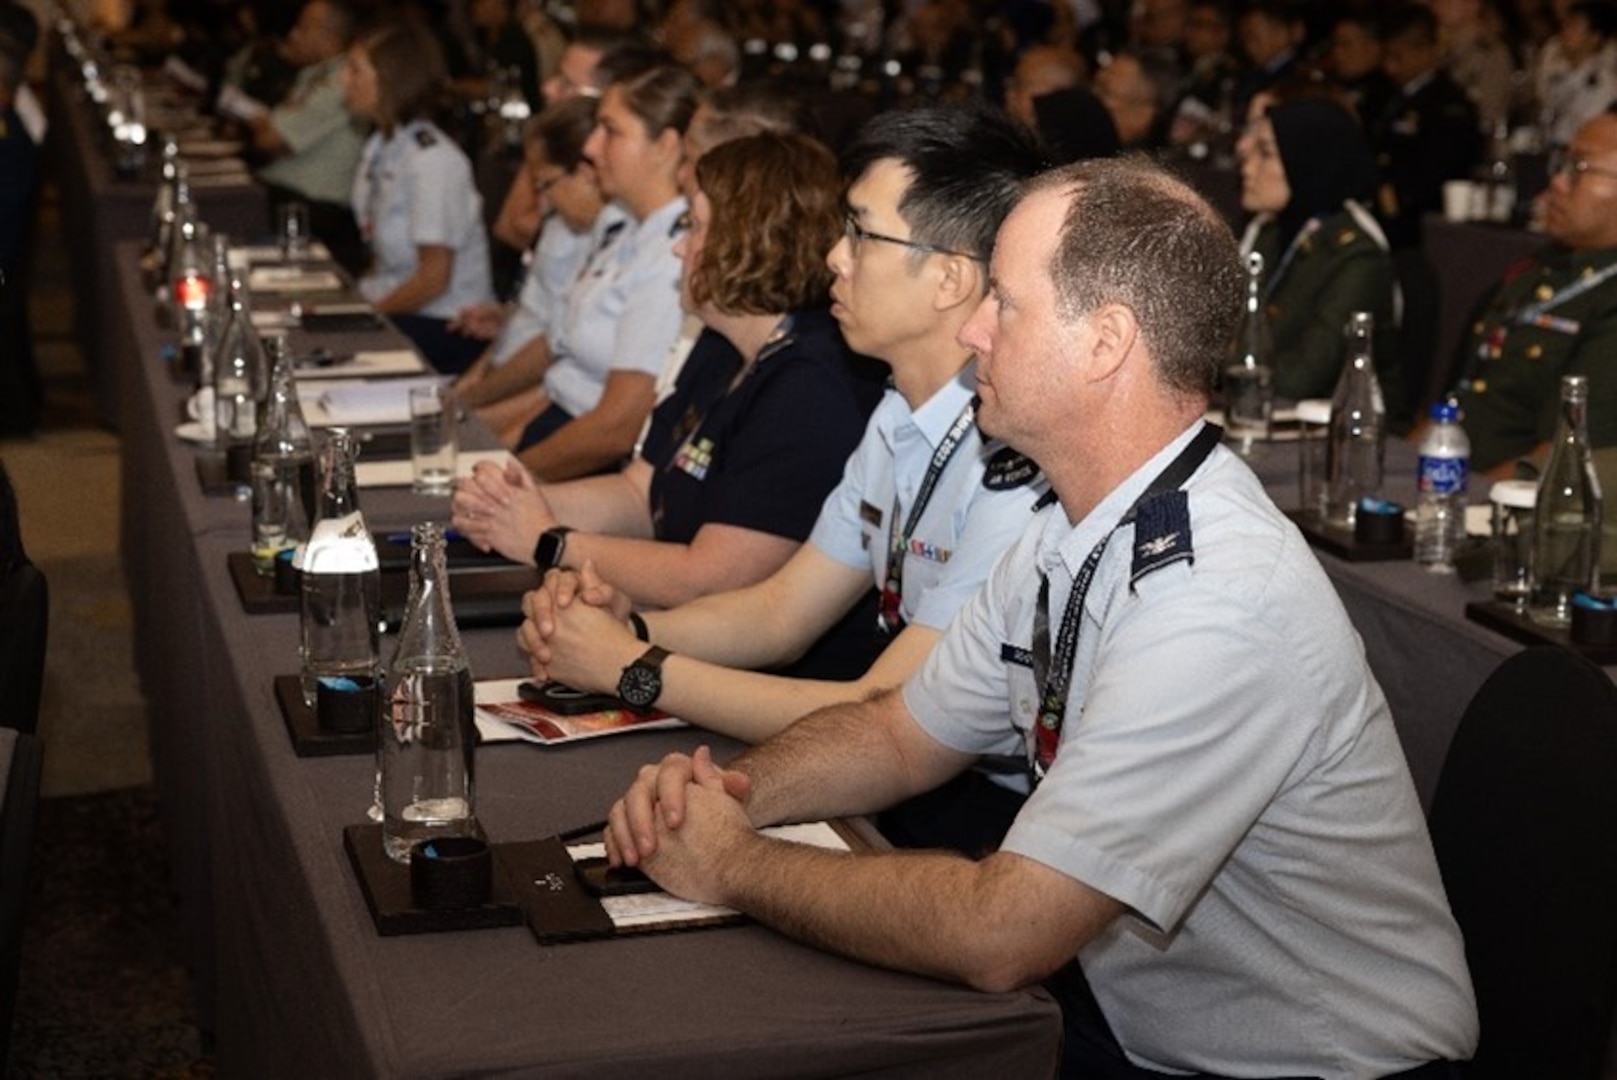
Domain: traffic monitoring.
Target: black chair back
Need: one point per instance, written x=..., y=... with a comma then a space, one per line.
x=24, y=620
x=1524, y=822
x=21, y=761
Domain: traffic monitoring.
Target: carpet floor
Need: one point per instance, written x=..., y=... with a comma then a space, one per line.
x=102, y=991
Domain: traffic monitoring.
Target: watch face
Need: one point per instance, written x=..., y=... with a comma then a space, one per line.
x=640, y=684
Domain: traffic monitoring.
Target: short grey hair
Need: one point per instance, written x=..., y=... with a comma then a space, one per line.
x=1134, y=235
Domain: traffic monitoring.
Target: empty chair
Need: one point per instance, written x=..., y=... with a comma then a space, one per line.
x=1525, y=825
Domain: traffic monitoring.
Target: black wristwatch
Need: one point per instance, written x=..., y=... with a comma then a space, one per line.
x=642, y=681
x=552, y=542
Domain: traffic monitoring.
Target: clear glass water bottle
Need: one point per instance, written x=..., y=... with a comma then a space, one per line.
x=183, y=209
x=191, y=289
x=162, y=217
x=239, y=377
x=1568, y=513
x=1356, y=447
x=341, y=581
x=428, y=732
x=283, y=465
x=1249, y=378
x=1442, y=480
x=217, y=315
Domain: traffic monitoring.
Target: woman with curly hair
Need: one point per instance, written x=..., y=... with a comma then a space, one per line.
x=731, y=475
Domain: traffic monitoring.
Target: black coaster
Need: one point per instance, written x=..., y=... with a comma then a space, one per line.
x=386, y=885
x=1342, y=543
x=259, y=594
x=309, y=739
x=214, y=475
x=1517, y=625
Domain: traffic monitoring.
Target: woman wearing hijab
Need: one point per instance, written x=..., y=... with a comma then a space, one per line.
x=1305, y=166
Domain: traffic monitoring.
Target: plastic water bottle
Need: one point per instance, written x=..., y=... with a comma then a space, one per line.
x=1445, y=465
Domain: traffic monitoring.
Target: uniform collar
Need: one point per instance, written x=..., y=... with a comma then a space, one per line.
x=1069, y=545
x=938, y=413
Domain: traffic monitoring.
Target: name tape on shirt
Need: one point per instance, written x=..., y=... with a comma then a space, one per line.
x=1008, y=469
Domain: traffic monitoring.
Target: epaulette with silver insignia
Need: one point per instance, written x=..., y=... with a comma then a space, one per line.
x=1161, y=533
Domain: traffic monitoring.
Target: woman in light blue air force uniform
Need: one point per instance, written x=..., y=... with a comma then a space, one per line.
x=414, y=196
x=622, y=316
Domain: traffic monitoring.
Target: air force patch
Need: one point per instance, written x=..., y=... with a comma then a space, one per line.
x=1161, y=533
x=1007, y=469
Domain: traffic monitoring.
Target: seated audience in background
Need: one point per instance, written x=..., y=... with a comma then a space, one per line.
x=1207, y=95
x=708, y=50
x=311, y=140
x=1554, y=314
x=498, y=41
x=756, y=432
x=1427, y=134
x=1271, y=33
x=1475, y=58
x=1041, y=70
x=1047, y=91
x=927, y=189
x=1354, y=62
x=1221, y=867
x=623, y=315
x=1576, y=78
x=588, y=64
x=414, y=196
x=1139, y=92
x=259, y=67
x=1306, y=173
x=566, y=188
x=22, y=393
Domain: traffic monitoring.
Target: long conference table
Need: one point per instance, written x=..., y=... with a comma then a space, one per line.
x=292, y=976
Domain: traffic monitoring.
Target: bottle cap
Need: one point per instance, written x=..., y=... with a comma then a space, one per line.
x=1445, y=411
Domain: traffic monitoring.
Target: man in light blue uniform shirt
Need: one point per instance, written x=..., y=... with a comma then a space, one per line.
x=1223, y=869
x=314, y=142
x=928, y=189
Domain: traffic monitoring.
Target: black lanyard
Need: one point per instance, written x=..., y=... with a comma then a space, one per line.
x=1054, y=674
x=888, y=617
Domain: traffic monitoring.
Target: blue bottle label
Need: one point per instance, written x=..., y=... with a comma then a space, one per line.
x=1443, y=475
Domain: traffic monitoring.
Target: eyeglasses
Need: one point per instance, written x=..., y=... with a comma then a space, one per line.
x=857, y=233
x=1563, y=161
